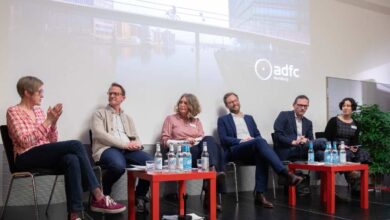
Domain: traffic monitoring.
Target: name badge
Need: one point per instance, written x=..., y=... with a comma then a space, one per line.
x=353, y=127
x=192, y=125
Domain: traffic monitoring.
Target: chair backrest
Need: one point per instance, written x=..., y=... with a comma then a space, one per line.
x=8, y=147
x=90, y=137
x=88, y=149
x=274, y=139
x=320, y=134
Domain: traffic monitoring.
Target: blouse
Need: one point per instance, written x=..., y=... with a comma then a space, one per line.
x=337, y=130
x=26, y=133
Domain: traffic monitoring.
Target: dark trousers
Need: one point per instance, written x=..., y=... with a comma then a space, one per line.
x=260, y=153
x=69, y=157
x=216, y=154
x=115, y=161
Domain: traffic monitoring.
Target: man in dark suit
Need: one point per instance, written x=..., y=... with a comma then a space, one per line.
x=242, y=141
x=293, y=131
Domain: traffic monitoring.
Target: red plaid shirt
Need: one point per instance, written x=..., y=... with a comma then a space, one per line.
x=26, y=133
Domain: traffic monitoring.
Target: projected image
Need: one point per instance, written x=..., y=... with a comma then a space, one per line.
x=287, y=19
x=165, y=47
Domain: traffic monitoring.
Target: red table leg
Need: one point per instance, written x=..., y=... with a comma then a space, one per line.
x=213, y=201
x=155, y=203
x=323, y=187
x=291, y=193
x=330, y=188
x=182, y=191
x=364, y=189
x=130, y=196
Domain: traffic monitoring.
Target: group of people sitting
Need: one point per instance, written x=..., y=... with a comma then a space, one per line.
x=116, y=144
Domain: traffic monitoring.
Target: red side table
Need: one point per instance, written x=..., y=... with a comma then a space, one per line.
x=328, y=182
x=155, y=179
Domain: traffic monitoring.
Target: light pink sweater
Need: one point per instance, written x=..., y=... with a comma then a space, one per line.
x=175, y=128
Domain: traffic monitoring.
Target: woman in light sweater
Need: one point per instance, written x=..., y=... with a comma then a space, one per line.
x=183, y=126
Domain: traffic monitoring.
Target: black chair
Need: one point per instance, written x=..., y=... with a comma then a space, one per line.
x=235, y=164
x=320, y=134
x=95, y=166
x=31, y=173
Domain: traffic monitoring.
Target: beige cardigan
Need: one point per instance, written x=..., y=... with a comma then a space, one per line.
x=102, y=131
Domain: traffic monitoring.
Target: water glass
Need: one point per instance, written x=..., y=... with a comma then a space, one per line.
x=199, y=164
x=149, y=165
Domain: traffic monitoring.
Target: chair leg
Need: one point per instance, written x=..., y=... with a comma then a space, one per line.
x=273, y=185
x=201, y=191
x=51, y=194
x=35, y=197
x=235, y=180
x=6, y=200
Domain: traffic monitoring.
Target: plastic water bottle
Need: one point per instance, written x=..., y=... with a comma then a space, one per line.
x=327, y=153
x=171, y=159
x=179, y=159
x=310, y=153
x=189, y=159
x=205, y=158
x=343, y=153
x=186, y=158
x=158, y=160
x=335, y=153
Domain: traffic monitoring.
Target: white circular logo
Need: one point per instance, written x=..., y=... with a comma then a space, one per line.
x=263, y=69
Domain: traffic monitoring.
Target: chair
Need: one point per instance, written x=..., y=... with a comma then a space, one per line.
x=320, y=134
x=95, y=166
x=243, y=163
x=16, y=173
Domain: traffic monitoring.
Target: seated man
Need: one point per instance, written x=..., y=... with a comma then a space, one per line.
x=293, y=131
x=115, y=143
x=242, y=141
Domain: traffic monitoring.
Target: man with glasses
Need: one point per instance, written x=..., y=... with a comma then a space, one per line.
x=291, y=138
x=116, y=144
x=242, y=141
x=293, y=132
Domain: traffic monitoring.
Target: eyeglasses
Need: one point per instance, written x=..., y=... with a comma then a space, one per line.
x=232, y=102
x=302, y=106
x=40, y=92
x=114, y=93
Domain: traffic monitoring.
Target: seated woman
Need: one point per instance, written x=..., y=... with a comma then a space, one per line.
x=34, y=135
x=344, y=128
x=184, y=126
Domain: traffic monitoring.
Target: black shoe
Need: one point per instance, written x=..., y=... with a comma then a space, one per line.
x=293, y=179
x=260, y=199
x=341, y=198
x=140, y=204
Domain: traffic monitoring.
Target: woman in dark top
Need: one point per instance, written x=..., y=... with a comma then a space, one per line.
x=344, y=128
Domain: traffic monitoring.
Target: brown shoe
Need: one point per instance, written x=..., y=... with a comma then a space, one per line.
x=260, y=199
x=294, y=179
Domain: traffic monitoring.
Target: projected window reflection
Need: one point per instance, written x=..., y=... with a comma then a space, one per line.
x=287, y=19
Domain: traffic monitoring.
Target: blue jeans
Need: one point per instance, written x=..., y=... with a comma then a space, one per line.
x=69, y=157
x=115, y=160
x=260, y=153
x=216, y=154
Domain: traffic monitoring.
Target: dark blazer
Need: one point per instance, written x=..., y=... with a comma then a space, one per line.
x=228, y=133
x=286, y=131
